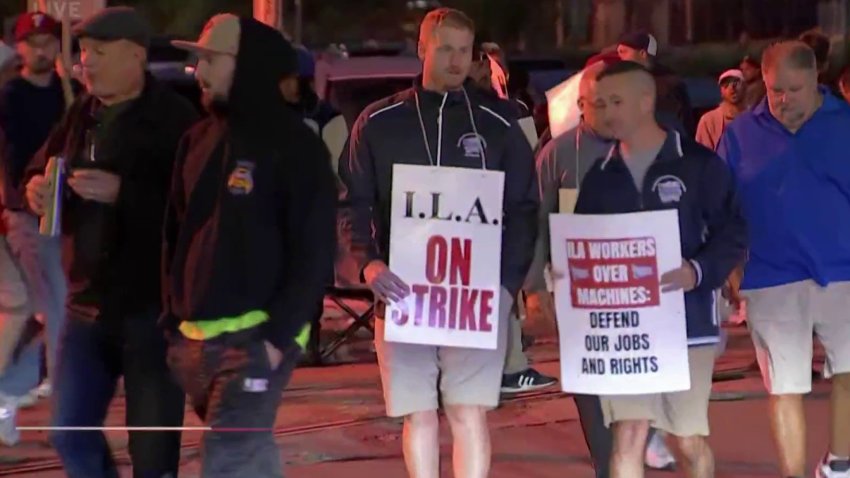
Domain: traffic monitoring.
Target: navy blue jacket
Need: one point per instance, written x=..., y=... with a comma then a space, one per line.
x=712, y=229
x=389, y=132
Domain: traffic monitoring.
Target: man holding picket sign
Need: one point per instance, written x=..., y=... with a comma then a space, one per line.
x=442, y=188
x=648, y=169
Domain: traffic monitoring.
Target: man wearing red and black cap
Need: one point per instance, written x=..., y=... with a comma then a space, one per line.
x=30, y=268
x=672, y=100
x=33, y=103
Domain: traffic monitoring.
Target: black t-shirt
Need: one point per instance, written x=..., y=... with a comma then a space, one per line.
x=28, y=113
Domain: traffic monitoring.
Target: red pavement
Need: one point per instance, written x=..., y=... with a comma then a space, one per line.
x=331, y=424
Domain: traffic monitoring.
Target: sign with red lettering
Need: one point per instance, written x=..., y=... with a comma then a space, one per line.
x=74, y=9
x=619, y=334
x=445, y=243
x=608, y=274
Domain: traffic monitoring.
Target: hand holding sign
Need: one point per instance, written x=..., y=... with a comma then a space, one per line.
x=445, y=245
x=386, y=286
x=683, y=278
x=619, y=334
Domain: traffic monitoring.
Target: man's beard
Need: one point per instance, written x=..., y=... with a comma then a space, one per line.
x=41, y=65
x=216, y=105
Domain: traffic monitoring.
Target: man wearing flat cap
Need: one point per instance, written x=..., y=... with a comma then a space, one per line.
x=118, y=143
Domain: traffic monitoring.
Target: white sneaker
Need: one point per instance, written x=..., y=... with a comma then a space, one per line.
x=833, y=469
x=44, y=389
x=658, y=456
x=9, y=434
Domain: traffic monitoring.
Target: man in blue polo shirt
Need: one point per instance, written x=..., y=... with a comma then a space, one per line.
x=790, y=160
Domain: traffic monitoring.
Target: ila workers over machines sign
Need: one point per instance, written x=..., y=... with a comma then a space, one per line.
x=619, y=333
x=445, y=243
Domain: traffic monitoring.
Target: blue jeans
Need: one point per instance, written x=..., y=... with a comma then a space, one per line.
x=32, y=282
x=92, y=356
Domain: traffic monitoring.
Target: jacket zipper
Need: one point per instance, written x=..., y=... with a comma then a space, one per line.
x=440, y=129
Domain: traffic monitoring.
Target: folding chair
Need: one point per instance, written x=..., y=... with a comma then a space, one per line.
x=339, y=296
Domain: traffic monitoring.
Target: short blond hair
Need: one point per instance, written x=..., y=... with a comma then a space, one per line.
x=792, y=53
x=443, y=16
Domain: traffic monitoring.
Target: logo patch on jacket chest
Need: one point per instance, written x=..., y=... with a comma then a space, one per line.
x=670, y=188
x=473, y=145
x=241, y=180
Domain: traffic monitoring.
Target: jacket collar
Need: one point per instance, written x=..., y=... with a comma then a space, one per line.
x=670, y=150
x=432, y=98
x=141, y=107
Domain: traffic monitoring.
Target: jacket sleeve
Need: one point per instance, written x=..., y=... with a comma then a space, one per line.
x=520, y=210
x=726, y=243
x=548, y=181
x=309, y=219
x=359, y=191
x=174, y=210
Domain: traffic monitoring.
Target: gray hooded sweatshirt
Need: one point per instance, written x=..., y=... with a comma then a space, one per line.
x=557, y=163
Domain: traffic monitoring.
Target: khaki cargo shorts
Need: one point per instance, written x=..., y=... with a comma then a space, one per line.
x=782, y=321
x=415, y=377
x=683, y=413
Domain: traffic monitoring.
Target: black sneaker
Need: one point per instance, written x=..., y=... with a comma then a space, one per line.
x=526, y=381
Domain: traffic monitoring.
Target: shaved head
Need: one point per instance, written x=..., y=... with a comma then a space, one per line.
x=626, y=95
x=587, y=84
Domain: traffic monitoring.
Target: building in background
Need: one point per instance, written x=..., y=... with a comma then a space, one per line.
x=675, y=21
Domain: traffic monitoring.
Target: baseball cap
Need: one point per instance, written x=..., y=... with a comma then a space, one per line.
x=36, y=23
x=734, y=74
x=641, y=41
x=116, y=23
x=220, y=35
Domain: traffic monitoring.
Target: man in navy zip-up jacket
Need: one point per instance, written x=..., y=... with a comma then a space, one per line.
x=654, y=169
x=789, y=157
x=441, y=121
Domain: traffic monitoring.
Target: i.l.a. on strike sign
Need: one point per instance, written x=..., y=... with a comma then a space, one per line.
x=445, y=243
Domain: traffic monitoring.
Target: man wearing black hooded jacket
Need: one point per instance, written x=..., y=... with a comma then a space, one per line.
x=249, y=236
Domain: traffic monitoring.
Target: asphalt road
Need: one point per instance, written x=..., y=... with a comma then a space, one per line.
x=331, y=423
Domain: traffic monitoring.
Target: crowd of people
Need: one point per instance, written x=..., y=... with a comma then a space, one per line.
x=194, y=252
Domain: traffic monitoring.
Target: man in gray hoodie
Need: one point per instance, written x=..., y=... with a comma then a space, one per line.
x=561, y=164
